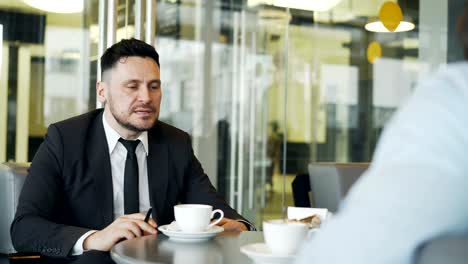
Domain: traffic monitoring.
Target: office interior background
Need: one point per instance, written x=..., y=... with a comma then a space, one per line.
x=263, y=89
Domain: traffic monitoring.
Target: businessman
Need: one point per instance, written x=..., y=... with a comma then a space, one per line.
x=96, y=174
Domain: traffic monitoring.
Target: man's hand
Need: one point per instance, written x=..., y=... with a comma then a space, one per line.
x=124, y=227
x=232, y=225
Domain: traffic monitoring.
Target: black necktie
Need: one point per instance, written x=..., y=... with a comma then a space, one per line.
x=131, y=201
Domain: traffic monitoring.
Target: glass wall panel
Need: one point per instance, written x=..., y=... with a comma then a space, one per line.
x=217, y=72
x=45, y=72
x=338, y=99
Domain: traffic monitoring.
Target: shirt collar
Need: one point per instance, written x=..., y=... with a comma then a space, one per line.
x=113, y=136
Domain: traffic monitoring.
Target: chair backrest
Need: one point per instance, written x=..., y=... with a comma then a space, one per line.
x=12, y=177
x=447, y=250
x=330, y=182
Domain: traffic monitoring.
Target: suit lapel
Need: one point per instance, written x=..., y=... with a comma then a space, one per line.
x=157, y=161
x=100, y=168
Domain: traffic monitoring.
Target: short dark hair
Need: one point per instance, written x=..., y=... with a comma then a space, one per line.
x=127, y=48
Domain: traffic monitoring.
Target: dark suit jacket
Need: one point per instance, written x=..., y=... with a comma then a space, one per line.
x=69, y=187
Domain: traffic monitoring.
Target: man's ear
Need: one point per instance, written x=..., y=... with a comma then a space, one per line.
x=101, y=87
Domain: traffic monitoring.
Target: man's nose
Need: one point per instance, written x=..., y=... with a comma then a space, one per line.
x=144, y=94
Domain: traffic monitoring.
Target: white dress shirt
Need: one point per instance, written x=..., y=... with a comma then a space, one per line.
x=118, y=156
x=416, y=187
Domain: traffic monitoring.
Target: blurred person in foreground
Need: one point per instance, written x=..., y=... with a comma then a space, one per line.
x=416, y=187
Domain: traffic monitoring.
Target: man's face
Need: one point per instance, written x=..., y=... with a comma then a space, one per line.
x=131, y=91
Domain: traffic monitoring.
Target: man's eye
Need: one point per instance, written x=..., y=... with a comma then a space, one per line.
x=154, y=87
x=131, y=87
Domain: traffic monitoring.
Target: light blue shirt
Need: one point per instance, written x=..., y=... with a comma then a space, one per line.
x=417, y=186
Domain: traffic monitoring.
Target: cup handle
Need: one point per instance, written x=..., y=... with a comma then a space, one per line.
x=217, y=220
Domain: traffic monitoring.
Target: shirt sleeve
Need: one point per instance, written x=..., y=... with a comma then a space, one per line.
x=249, y=225
x=415, y=188
x=78, y=247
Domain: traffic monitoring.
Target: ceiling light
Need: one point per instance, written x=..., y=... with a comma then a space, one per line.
x=390, y=15
x=378, y=26
x=57, y=6
x=311, y=5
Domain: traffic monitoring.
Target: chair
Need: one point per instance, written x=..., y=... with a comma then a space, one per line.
x=448, y=250
x=300, y=189
x=330, y=182
x=12, y=177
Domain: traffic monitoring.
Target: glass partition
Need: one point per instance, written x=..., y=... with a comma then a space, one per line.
x=346, y=80
x=217, y=75
x=45, y=72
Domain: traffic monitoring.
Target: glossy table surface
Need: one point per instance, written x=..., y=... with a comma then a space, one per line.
x=225, y=248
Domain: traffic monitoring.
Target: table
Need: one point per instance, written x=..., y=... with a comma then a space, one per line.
x=89, y=257
x=159, y=249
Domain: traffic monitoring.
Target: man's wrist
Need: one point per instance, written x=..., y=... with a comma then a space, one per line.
x=247, y=224
x=79, y=247
x=87, y=242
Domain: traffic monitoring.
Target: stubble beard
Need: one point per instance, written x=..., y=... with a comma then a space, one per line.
x=126, y=124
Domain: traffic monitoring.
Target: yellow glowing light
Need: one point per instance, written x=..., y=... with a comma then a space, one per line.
x=374, y=51
x=390, y=14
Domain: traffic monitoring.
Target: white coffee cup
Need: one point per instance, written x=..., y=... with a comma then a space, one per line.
x=284, y=238
x=195, y=217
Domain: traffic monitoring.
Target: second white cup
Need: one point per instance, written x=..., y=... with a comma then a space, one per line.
x=284, y=238
x=195, y=217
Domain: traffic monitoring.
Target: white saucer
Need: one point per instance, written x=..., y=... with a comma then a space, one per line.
x=260, y=253
x=174, y=233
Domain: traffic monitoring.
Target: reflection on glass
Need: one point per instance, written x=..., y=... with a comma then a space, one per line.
x=208, y=252
x=393, y=82
x=48, y=73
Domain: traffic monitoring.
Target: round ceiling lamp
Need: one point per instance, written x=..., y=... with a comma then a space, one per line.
x=311, y=5
x=379, y=27
x=390, y=20
x=57, y=6
x=390, y=15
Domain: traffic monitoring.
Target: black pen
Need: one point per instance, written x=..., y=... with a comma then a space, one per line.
x=146, y=221
x=148, y=215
